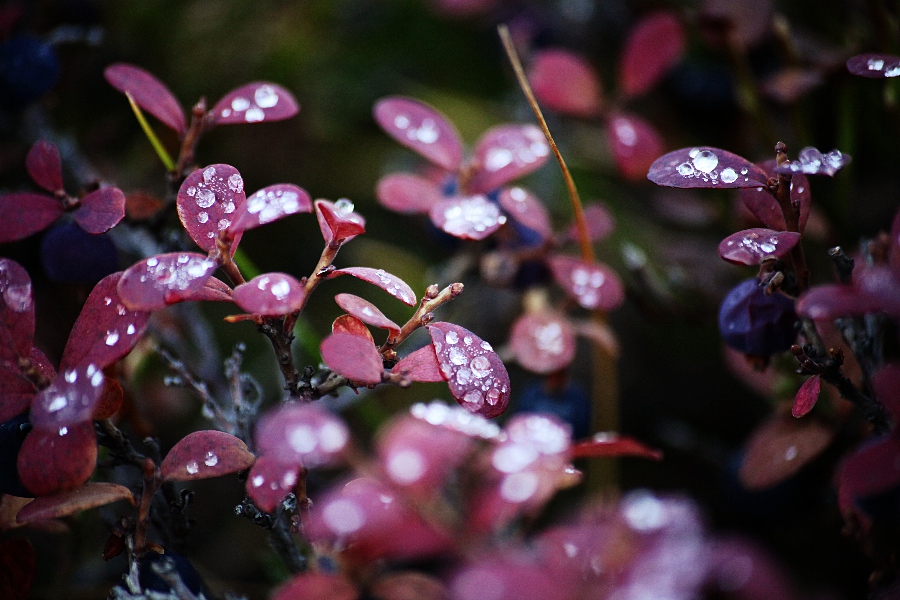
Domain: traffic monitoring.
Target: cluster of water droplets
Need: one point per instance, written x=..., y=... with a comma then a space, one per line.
x=176, y=273
x=279, y=287
x=702, y=165
x=548, y=338
x=273, y=204
x=811, y=162
x=471, y=214
x=517, y=150
x=16, y=296
x=424, y=131
x=457, y=419
x=254, y=109
x=70, y=398
x=535, y=451
x=464, y=363
x=754, y=242
x=877, y=64
x=391, y=285
x=212, y=188
x=586, y=285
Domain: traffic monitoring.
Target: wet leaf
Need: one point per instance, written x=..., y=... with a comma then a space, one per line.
x=110, y=400
x=317, y=586
x=812, y=162
x=207, y=201
x=507, y=152
x=392, y=284
x=16, y=311
x=90, y=495
x=23, y=214
x=408, y=194
x=270, y=294
x=830, y=301
x=213, y=290
x=101, y=210
x=468, y=217
x=205, y=454
x=338, y=221
x=366, y=312
x=270, y=481
x=753, y=246
x=270, y=204
x=565, y=82
x=593, y=286
x=352, y=326
x=58, y=460
x=600, y=223
x=302, y=434
x=612, y=444
x=44, y=166
x=526, y=209
x=703, y=167
x=874, y=65
x=420, y=365
x=69, y=399
x=806, y=396
x=17, y=568
x=352, y=357
x=158, y=281
x=543, y=342
x=765, y=207
x=149, y=93
x=421, y=128
x=635, y=144
x=255, y=102
x=654, y=45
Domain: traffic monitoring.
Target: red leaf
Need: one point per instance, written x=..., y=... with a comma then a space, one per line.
x=16, y=311
x=421, y=128
x=543, y=342
x=753, y=246
x=269, y=481
x=317, y=586
x=158, y=281
x=101, y=210
x=302, y=434
x=813, y=162
x=338, y=222
x=392, y=284
x=23, y=214
x=703, y=167
x=764, y=206
x=600, y=223
x=420, y=365
x=407, y=193
x=474, y=373
x=59, y=460
x=214, y=290
x=737, y=22
x=526, y=209
x=612, y=444
x=593, y=286
x=468, y=217
x=270, y=204
x=352, y=326
x=105, y=331
x=207, y=202
x=654, y=45
x=874, y=66
x=253, y=103
x=870, y=470
x=830, y=301
x=806, y=396
x=110, y=400
x=44, y=166
x=16, y=392
x=140, y=206
x=408, y=585
x=366, y=312
x=205, y=454
x=635, y=144
x=69, y=399
x=17, y=567
x=507, y=152
x=886, y=385
x=90, y=495
x=270, y=294
x=352, y=357
x=149, y=93
x=565, y=82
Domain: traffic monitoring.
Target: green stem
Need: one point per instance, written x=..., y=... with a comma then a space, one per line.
x=148, y=131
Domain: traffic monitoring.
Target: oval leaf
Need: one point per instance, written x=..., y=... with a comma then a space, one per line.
x=270, y=481
x=158, y=281
x=812, y=162
x=101, y=210
x=830, y=301
x=90, y=495
x=352, y=326
x=420, y=365
x=408, y=194
x=302, y=434
x=806, y=396
x=366, y=312
x=253, y=103
x=110, y=400
x=654, y=45
x=205, y=454
x=69, y=399
x=507, y=152
x=874, y=65
x=421, y=128
x=870, y=470
x=58, y=460
x=23, y=214
x=213, y=290
x=543, y=342
x=468, y=217
x=207, y=201
x=612, y=444
x=16, y=311
x=635, y=144
x=44, y=166
x=565, y=82
x=703, y=167
x=593, y=286
x=352, y=357
x=753, y=246
x=317, y=586
x=392, y=284
x=149, y=93
x=338, y=221
x=600, y=223
x=764, y=206
x=270, y=294
x=270, y=204
x=526, y=209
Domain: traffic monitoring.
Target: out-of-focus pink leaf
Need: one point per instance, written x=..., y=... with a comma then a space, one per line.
x=338, y=222
x=790, y=84
x=149, y=93
x=468, y=217
x=420, y=365
x=654, y=45
x=158, y=281
x=543, y=342
x=24, y=213
x=565, y=82
x=90, y=495
x=612, y=444
x=408, y=194
x=69, y=399
x=253, y=103
x=600, y=223
x=880, y=284
x=526, y=209
x=474, y=373
x=352, y=357
x=213, y=290
x=270, y=204
x=269, y=481
x=58, y=460
x=740, y=569
x=599, y=334
x=812, y=162
x=764, y=206
x=392, y=284
x=703, y=167
x=352, y=326
x=753, y=246
x=44, y=166
x=806, y=396
x=742, y=22
x=366, y=312
x=207, y=202
x=302, y=434
x=101, y=210
x=830, y=301
x=635, y=144
x=270, y=294
x=886, y=385
x=593, y=286
x=507, y=152
x=870, y=470
x=205, y=454
x=16, y=311
x=421, y=128
x=874, y=66
x=408, y=585
x=317, y=586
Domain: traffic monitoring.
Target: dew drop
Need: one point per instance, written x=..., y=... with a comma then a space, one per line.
x=254, y=115
x=344, y=207
x=463, y=376
x=228, y=208
x=705, y=161
x=457, y=356
x=130, y=330
x=486, y=346
x=192, y=467
x=236, y=183
x=451, y=337
x=685, y=169
x=481, y=366
x=474, y=398
x=427, y=133
x=223, y=224
x=202, y=217
x=211, y=459
x=728, y=175
x=205, y=198
x=875, y=64
x=281, y=289
x=258, y=480
x=239, y=104
x=112, y=337
x=467, y=340
x=265, y=96
x=767, y=247
x=58, y=403
x=493, y=396
x=693, y=152
x=208, y=174
x=401, y=122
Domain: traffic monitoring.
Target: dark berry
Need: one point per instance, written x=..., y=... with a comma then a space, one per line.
x=12, y=434
x=568, y=402
x=757, y=324
x=71, y=255
x=28, y=69
x=151, y=581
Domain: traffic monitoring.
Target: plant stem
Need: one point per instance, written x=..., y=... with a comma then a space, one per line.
x=423, y=315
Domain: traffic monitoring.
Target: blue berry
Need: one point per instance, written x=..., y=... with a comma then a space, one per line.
x=71, y=255
x=28, y=69
x=570, y=403
x=757, y=324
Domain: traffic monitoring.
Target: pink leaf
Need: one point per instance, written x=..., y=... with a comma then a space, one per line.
x=392, y=284
x=270, y=294
x=101, y=210
x=22, y=214
x=613, y=444
x=600, y=223
x=90, y=495
x=654, y=46
x=69, y=399
x=253, y=103
x=874, y=66
x=526, y=209
x=870, y=470
x=44, y=166
x=317, y=586
x=205, y=454
x=543, y=342
x=366, y=312
x=468, y=217
x=338, y=222
x=565, y=82
x=635, y=144
x=270, y=204
x=106, y=330
x=16, y=311
x=507, y=152
x=830, y=301
x=352, y=357
x=207, y=202
x=764, y=206
x=158, y=281
x=753, y=246
x=270, y=481
x=421, y=128
x=737, y=22
x=703, y=167
x=474, y=373
x=407, y=193
x=352, y=326
x=812, y=162
x=880, y=284
x=302, y=434
x=213, y=290
x=420, y=365
x=593, y=286
x=149, y=93
x=58, y=460
x=806, y=396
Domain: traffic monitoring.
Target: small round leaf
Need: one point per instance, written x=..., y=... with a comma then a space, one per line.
x=806, y=396
x=635, y=144
x=149, y=93
x=543, y=342
x=526, y=209
x=507, y=152
x=205, y=454
x=366, y=312
x=654, y=45
x=408, y=194
x=392, y=284
x=421, y=128
x=44, y=166
x=101, y=210
x=703, y=167
x=565, y=82
x=302, y=434
x=270, y=294
x=352, y=357
x=270, y=204
x=158, y=281
x=207, y=202
x=592, y=285
x=58, y=460
x=269, y=481
x=256, y=102
x=23, y=214
x=874, y=66
x=16, y=311
x=90, y=495
x=753, y=246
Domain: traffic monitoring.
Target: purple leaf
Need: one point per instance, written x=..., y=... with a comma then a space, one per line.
x=780, y=447
x=468, y=217
x=874, y=66
x=806, y=396
x=16, y=311
x=270, y=481
x=881, y=284
x=600, y=223
x=270, y=204
x=507, y=152
x=270, y=294
x=565, y=82
x=421, y=128
x=17, y=392
x=213, y=290
x=635, y=144
x=420, y=365
x=352, y=326
x=207, y=202
x=253, y=103
x=408, y=194
x=703, y=167
x=91, y=495
x=158, y=281
x=205, y=454
x=886, y=385
x=69, y=399
x=612, y=444
x=44, y=166
x=59, y=460
x=337, y=221
x=366, y=312
x=765, y=207
x=474, y=373
x=870, y=470
x=22, y=214
x=654, y=45
x=101, y=210
x=753, y=246
x=830, y=301
x=543, y=342
x=302, y=434
x=392, y=284
x=106, y=330
x=593, y=286
x=526, y=209
x=812, y=162
x=149, y=93
x=352, y=357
